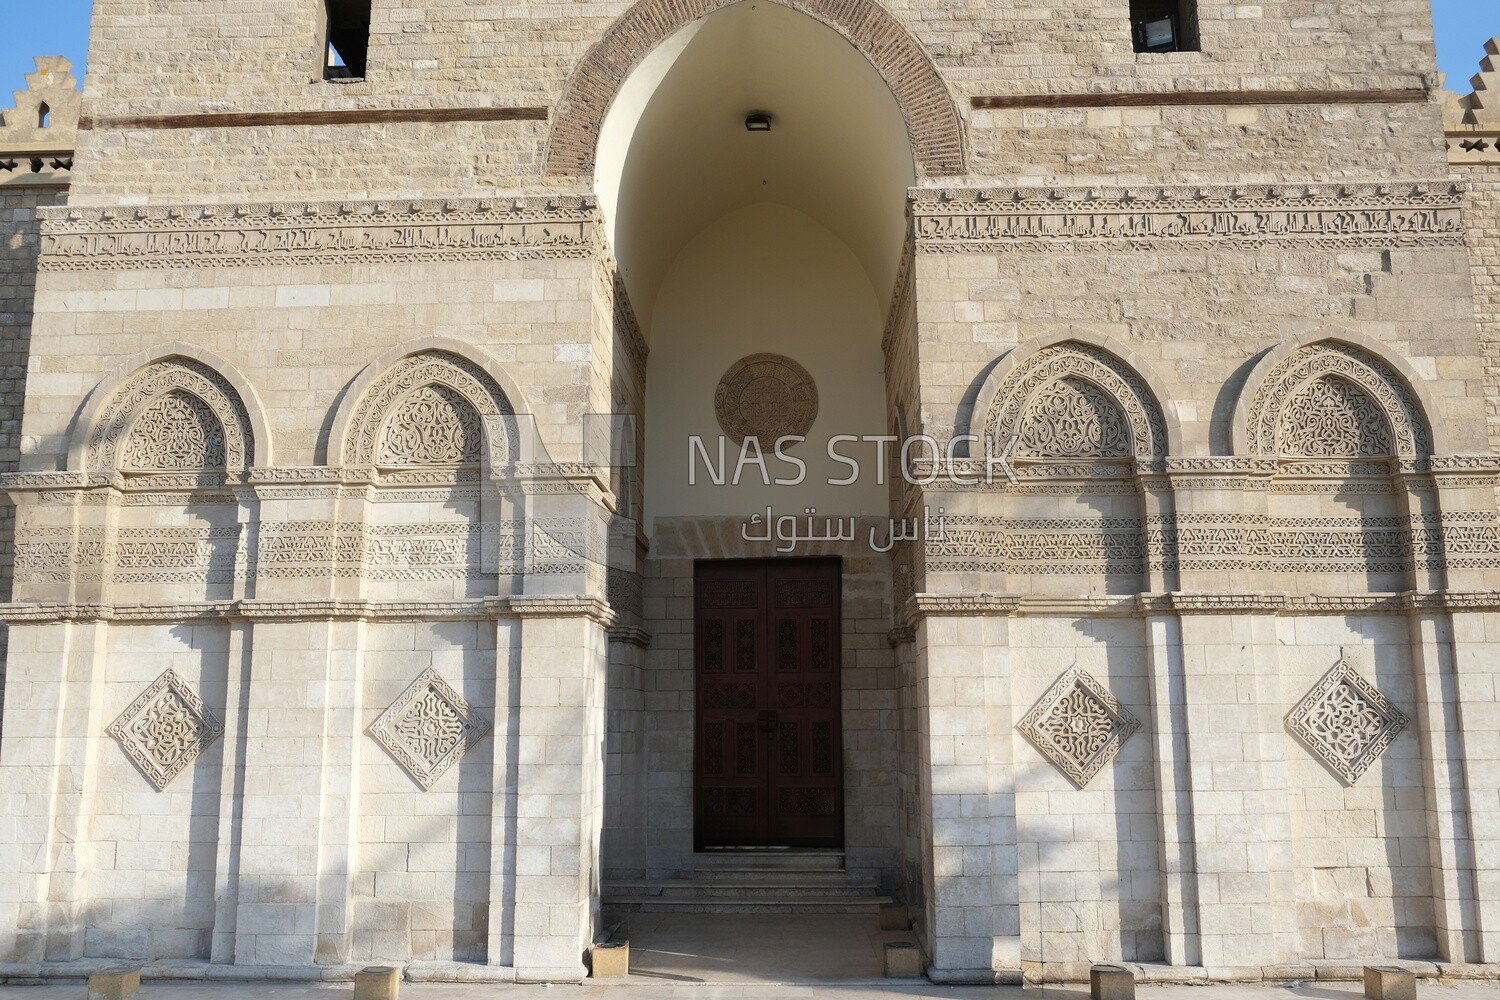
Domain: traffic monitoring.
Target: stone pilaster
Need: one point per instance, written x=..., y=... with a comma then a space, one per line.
x=1241, y=827
x=965, y=758
x=292, y=677
x=1478, y=679
x=1448, y=836
x=53, y=711
x=559, y=784
x=1173, y=791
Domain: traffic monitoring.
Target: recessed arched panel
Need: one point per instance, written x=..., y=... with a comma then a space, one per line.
x=1070, y=400
x=426, y=406
x=171, y=413
x=1330, y=398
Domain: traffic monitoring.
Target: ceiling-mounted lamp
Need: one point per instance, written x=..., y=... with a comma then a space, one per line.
x=757, y=121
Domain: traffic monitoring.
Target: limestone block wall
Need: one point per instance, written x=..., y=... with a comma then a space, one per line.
x=1360, y=853
x=1090, y=859
x=302, y=324
x=152, y=857
x=133, y=871
x=421, y=881
x=1200, y=317
x=437, y=56
x=1482, y=223
x=17, y=289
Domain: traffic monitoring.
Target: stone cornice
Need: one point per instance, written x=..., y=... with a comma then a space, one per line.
x=364, y=232
x=477, y=609
x=959, y=606
x=992, y=220
x=561, y=606
x=1139, y=605
x=579, y=475
x=630, y=635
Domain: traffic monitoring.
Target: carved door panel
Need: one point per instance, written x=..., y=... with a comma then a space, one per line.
x=768, y=748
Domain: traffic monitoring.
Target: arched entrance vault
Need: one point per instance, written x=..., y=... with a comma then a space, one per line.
x=933, y=124
x=760, y=264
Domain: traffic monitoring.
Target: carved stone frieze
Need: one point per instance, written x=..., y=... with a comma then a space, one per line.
x=165, y=729
x=1034, y=219
x=364, y=233
x=1078, y=726
x=429, y=728
x=1345, y=722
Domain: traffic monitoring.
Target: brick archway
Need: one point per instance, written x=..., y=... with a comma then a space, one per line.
x=932, y=120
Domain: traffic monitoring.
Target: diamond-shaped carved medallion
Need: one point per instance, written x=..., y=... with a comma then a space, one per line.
x=429, y=728
x=1346, y=722
x=165, y=729
x=1078, y=725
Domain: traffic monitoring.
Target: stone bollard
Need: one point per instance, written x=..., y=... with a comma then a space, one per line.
x=114, y=984
x=1389, y=982
x=903, y=960
x=893, y=917
x=1111, y=982
x=611, y=960
x=378, y=982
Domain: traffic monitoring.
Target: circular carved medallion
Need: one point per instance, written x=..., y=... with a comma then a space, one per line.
x=766, y=396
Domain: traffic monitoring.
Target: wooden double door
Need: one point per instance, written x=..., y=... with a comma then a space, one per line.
x=769, y=753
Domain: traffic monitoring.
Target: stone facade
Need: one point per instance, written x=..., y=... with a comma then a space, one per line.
x=341, y=630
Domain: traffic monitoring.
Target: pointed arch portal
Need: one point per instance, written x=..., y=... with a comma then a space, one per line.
x=932, y=120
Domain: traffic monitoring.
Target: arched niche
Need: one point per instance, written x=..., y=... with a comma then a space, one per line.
x=429, y=402
x=176, y=408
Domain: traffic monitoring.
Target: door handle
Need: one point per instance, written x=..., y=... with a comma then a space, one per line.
x=768, y=723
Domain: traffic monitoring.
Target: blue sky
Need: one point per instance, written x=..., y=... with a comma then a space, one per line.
x=60, y=27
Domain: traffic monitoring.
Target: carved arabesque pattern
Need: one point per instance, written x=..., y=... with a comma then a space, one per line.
x=176, y=432
x=428, y=728
x=1078, y=725
x=1064, y=383
x=1331, y=417
x=1284, y=386
x=433, y=426
x=165, y=729
x=173, y=415
x=414, y=386
x=1346, y=722
x=1072, y=418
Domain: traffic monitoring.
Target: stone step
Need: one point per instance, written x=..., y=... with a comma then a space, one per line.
x=790, y=859
x=723, y=887
x=729, y=904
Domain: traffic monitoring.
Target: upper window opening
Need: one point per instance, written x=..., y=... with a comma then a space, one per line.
x=348, y=39
x=1164, y=25
x=43, y=116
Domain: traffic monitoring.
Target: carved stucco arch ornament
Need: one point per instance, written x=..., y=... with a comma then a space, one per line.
x=1077, y=363
x=434, y=372
x=175, y=372
x=933, y=124
x=1293, y=367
